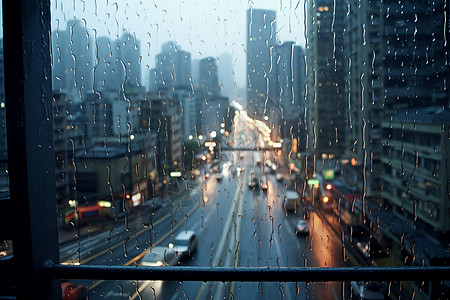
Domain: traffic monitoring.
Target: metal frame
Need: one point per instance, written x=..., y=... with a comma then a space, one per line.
x=33, y=271
x=31, y=210
x=247, y=274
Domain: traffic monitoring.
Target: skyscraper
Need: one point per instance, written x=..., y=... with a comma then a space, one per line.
x=364, y=94
x=286, y=85
x=104, y=69
x=73, y=60
x=326, y=70
x=214, y=106
x=209, y=77
x=260, y=38
x=173, y=68
x=226, y=75
x=130, y=58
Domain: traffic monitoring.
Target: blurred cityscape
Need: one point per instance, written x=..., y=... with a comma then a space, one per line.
x=364, y=108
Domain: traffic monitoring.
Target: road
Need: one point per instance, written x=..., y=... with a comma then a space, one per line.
x=237, y=226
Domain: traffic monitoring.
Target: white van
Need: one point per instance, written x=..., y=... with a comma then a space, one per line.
x=186, y=243
x=291, y=200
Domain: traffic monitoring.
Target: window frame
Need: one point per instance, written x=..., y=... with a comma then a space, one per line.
x=34, y=271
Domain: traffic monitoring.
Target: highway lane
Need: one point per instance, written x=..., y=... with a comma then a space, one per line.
x=236, y=226
x=209, y=219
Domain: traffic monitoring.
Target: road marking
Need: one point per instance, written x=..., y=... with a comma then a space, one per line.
x=291, y=232
x=115, y=294
x=221, y=246
x=139, y=256
x=95, y=256
x=334, y=293
x=140, y=289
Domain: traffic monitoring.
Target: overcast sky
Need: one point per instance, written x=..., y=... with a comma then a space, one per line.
x=202, y=27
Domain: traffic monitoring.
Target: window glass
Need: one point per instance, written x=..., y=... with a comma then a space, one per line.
x=281, y=134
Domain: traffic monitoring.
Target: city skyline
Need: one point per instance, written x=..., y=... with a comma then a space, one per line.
x=225, y=31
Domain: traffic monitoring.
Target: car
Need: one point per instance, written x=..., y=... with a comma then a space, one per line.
x=253, y=183
x=371, y=290
x=302, y=227
x=73, y=291
x=279, y=177
x=219, y=176
x=186, y=244
x=159, y=256
x=263, y=185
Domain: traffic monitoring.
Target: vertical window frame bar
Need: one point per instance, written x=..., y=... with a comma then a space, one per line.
x=28, y=93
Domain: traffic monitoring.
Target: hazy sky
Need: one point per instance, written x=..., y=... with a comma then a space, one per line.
x=202, y=27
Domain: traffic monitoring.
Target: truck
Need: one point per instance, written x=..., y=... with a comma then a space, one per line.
x=291, y=201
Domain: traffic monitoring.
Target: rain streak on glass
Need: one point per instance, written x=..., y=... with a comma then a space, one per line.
x=237, y=134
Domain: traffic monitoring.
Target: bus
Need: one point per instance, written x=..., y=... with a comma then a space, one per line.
x=318, y=194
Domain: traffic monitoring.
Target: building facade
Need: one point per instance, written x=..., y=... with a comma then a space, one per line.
x=326, y=72
x=415, y=160
x=364, y=51
x=73, y=60
x=165, y=120
x=173, y=69
x=261, y=28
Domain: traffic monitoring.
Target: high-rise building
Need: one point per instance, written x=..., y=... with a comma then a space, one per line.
x=173, y=68
x=116, y=114
x=300, y=81
x=226, y=75
x=214, y=106
x=129, y=59
x=261, y=28
x=73, y=60
x=397, y=58
x=165, y=120
x=191, y=123
x=364, y=51
x=281, y=88
x=287, y=86
x=215, y=110
x=209, y=78
x=326, y=72
x=415, y=161
x=62, y=171
x=415, y=54
x=104, y=70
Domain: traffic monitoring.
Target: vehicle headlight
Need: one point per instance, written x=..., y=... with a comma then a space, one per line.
x=104, y=203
